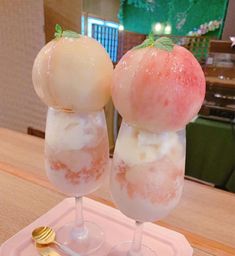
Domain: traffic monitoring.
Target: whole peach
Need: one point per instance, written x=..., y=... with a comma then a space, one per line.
x=73, y=74
x=158, y=90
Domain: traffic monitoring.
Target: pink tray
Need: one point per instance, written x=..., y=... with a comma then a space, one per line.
x=117, y=227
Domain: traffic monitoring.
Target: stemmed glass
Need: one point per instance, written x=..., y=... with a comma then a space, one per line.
x=76, y=160
x=146, y=180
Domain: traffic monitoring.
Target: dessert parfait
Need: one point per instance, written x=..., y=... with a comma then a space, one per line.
x=157, y=87
x=72, y=76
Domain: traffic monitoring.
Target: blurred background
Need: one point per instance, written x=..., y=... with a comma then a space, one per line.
x=205, y=27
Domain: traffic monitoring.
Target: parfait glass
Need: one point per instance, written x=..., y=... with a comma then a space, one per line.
x=146, y=180
x=76, y=160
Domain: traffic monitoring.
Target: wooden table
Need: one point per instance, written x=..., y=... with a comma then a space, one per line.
x=205, y=215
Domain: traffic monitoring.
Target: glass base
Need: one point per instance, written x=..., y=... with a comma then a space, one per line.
x=86, y=242
x=123, y=249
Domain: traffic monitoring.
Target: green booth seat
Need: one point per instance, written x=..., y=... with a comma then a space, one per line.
x=211, y=152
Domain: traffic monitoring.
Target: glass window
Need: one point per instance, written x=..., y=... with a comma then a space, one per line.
x=105, y=32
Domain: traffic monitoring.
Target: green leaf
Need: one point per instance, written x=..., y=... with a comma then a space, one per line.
x=58, y=28
x=146, y=43
x=67, y=33
x=164, y=43
x=151, y=37
x=149, y=41
x=58, y=31
x=71, y=34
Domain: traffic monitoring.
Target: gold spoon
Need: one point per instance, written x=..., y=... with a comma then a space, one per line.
x=45, y=250
x=46, y=235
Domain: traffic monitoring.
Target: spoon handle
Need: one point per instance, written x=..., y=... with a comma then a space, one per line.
x=67, y=250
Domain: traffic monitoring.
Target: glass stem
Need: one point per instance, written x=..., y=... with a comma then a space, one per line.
x=79, y=220
x=137, y=240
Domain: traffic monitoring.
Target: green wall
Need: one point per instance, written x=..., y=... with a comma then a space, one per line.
x=135, y=17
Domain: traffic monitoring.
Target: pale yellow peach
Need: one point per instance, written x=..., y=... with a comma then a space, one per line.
x=73, y=74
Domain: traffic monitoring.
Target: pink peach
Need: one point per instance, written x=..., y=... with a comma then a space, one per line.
x=158, y=90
